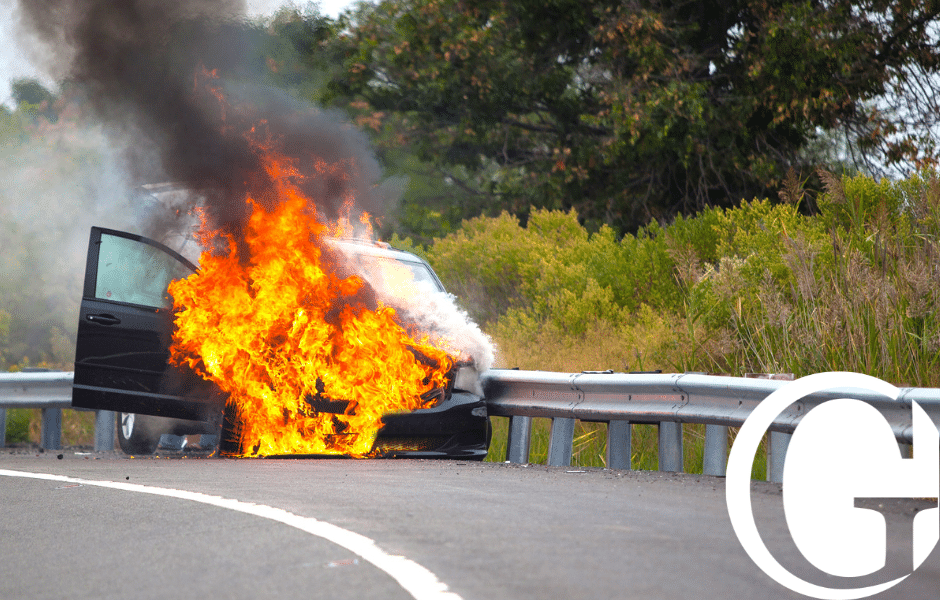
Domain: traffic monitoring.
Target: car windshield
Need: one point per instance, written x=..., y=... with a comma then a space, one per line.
x=380, y=269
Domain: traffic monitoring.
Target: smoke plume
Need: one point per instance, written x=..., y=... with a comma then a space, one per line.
x=155, y=72
x=153, y=69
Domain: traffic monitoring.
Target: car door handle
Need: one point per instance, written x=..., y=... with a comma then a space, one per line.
x=103, y=319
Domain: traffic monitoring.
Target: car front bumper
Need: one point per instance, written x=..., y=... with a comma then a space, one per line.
x=457, y=427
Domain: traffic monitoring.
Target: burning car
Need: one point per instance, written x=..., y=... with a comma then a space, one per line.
x=128, y=360
x=278, y=339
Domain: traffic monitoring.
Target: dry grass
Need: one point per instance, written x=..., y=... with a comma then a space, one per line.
x=648, y=342
x=78, y=427
x=856, y=315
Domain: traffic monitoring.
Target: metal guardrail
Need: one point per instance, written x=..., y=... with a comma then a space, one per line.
x=50, y=391
x=668, y=401
x=618, y=399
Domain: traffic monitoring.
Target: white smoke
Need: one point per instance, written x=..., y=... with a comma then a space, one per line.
x=438, y=314
x=431, y=311
x=56, y=182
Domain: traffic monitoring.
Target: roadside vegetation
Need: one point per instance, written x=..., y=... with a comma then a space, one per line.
x=851, y=284
x=761, y=287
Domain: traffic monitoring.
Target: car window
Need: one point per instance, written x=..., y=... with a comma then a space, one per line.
x=135, y=272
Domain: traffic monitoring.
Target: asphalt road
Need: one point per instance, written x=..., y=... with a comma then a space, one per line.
x=482, y=530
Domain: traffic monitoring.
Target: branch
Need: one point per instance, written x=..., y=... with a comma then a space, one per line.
x=888, y=46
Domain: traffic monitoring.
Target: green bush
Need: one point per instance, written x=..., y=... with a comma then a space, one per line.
x=496, y=266
x=756, y=288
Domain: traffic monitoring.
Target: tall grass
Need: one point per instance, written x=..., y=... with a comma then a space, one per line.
x=756, y=288
x=867, y=300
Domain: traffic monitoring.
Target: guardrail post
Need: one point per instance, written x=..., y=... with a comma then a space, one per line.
x=716, y=450
x=619, y=445
x=51, y=433
x=517, y=446
x=560, y=442
x=777, y=455
x=670, y=446
x=104, y=431
x=3, y=427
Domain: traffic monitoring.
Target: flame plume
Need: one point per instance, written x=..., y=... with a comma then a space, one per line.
x=290, y=340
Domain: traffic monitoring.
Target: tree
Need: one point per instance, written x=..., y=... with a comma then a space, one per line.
x=631, y=111
x=34, y=97
x=31, y=92
x=297, y=52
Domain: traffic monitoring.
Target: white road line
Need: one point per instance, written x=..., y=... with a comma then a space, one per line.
x=421, y=583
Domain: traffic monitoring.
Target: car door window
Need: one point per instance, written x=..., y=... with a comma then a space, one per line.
x=135, y=272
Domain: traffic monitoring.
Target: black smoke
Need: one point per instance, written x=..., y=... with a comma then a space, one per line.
x=146, y=68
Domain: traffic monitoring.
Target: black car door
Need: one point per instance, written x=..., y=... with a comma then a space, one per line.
x=124, y=332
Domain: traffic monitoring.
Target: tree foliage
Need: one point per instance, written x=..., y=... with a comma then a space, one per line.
x=31, y=91
x=30, y=95
x=628, y=111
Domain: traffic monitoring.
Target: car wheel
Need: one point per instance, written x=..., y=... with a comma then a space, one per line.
x=134, y=436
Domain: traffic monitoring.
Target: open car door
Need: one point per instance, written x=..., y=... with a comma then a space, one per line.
x=124, y=333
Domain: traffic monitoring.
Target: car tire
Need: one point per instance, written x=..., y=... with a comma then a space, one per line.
x=134, y=436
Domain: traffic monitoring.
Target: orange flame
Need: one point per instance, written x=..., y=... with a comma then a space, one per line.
x=309, y=366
